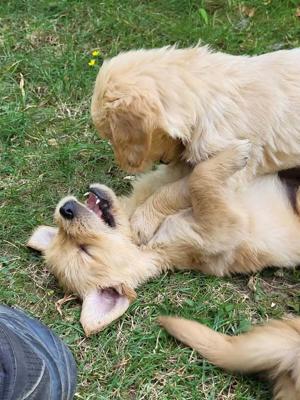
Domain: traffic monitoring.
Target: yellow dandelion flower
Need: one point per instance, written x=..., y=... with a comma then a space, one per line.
x=96, y=53
x=92, y=63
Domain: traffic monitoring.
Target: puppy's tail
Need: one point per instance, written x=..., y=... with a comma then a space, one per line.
x=274, y=347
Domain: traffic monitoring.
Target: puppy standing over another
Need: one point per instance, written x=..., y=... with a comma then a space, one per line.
x=174, y=104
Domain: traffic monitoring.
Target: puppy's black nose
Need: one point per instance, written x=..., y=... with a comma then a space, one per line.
x=68, y=209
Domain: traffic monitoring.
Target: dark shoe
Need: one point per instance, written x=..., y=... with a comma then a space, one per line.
x=34, y=363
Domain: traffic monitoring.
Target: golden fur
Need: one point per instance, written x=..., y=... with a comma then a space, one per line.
x=223, y=232
x=188, y=104
x=273, y=349
x=206, y=100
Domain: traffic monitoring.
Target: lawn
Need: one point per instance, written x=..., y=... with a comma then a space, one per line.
x=49, y=148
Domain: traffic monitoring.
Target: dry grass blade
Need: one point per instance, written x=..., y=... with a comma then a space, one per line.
x=64, y=300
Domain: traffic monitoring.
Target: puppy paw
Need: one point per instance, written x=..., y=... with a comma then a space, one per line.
x=232, y=159
x=226, y=163
x=144, y=223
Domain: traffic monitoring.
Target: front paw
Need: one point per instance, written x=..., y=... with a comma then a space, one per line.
x=144, y=223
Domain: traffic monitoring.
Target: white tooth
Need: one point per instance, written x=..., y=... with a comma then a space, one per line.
x=98, y=201
x=86, y=194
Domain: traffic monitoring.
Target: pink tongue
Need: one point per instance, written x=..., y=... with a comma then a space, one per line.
x=91, y=203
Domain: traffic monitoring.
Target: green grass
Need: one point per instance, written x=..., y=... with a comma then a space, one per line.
x=47, y=45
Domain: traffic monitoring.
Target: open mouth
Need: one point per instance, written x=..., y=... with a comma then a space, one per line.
x=99, y=202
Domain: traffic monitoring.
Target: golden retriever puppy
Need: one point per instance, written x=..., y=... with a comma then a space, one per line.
x=174, y=104
x=273, y=349
x=92, y=253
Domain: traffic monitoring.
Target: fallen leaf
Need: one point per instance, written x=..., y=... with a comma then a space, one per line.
x=129, y=178
x=61, y=302
x=297, y=13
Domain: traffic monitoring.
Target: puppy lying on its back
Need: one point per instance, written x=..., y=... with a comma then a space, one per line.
x=189, y=104
x=93, y=255
x=273, y=349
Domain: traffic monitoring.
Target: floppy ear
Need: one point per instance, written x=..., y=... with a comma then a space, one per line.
x=132, y=121
x=41, y=238
x=100, y=307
